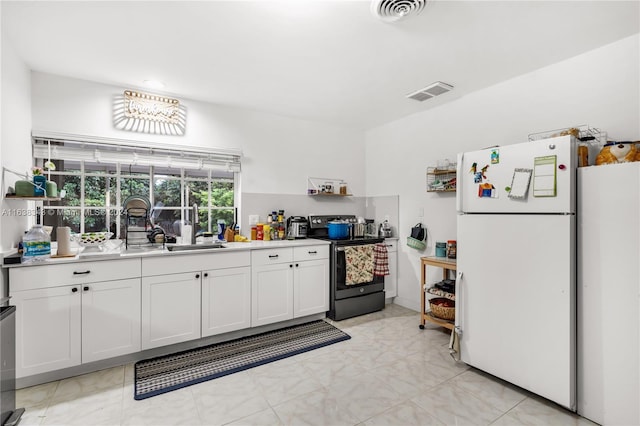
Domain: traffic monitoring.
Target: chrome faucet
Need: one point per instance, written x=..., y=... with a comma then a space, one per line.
x=193, y=225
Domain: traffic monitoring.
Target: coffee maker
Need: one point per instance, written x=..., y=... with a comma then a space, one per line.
x=296, y=227
x=385, y=230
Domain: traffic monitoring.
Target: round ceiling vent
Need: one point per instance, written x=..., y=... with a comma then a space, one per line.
x=394, y=10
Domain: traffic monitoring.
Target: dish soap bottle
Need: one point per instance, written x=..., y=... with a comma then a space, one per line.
x=36, y=245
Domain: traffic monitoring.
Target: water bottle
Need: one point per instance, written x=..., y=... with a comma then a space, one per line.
x=221, y=227
x=36, y=245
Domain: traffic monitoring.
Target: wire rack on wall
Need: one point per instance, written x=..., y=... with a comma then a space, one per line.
x=584, y=133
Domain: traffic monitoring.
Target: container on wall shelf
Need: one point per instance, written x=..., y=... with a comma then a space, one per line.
x=327, y=187
x=441, y=180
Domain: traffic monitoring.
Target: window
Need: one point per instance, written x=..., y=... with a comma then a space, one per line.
x=97, y=178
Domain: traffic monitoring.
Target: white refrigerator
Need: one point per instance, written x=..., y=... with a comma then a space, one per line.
x=609, y=293
x=516, y=265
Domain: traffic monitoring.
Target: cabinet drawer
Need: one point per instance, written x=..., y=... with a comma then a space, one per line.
x=33, y=277
x=311, y=252
x=392, y=245
x=270, y=256
x=163, y=265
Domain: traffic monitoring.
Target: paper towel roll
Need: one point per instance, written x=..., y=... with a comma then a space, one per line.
x=64, y=240
x=186, y=234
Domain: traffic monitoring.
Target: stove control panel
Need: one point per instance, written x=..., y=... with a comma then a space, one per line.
x=321, y=221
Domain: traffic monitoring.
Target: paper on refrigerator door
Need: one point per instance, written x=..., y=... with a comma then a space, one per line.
x=520, y=183
x=544, y=176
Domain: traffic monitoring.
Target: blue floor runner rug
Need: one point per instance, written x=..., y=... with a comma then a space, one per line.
x=170, y=372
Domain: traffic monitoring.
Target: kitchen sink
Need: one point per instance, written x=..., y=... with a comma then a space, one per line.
x=195, y=247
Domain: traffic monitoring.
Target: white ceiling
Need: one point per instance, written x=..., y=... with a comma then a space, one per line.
x=329, y=61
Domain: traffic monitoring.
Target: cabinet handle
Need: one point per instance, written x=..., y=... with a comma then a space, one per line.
x=389, y=245
x=290, y=266
x=81, y=273
x=296, y=265
x=313, y=252
x=206, y=274
x=86, y=288
x=197, y=275
x=273, y=256
x=73, y=290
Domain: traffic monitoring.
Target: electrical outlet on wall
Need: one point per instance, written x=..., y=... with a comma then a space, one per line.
x=254, y=218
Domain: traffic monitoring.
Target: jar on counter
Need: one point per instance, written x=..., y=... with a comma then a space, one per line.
x=451, y=249
x=260, y=232
x=254, y=232
x=441, y=249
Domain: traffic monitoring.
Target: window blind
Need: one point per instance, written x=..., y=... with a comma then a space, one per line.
x=104, y=150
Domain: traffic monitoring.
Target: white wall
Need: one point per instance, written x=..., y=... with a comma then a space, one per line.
x=600, y=88
x=15, y=144
x=15, y=151
x=279, y=152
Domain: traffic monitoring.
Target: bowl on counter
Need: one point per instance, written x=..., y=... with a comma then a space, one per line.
x=92, y=240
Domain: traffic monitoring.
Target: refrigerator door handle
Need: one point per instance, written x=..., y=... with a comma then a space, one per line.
x=459, y=183
x=459, y=304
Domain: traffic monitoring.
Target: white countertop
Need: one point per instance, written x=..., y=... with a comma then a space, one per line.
x=121, y=252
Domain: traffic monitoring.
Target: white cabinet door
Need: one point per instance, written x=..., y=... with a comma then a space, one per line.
x=391, y=280
x=110, y=319
x=226, y=300
x=47, y=329
x=311, y=287
x=271, y=293
x=170, y=309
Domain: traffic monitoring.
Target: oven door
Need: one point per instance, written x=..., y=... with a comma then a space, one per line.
x=344, y=290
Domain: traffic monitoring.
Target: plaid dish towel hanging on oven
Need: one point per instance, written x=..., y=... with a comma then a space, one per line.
x=380, y=260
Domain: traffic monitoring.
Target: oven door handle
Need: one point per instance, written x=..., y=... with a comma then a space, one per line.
x=339, y=248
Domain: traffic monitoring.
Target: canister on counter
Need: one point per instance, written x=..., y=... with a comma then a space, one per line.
x=451, y=249
x=260, y=232
x=441, y=249
x=266, y=232
x=254, y=232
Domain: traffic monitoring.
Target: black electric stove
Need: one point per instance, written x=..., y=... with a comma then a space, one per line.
x=351, y=300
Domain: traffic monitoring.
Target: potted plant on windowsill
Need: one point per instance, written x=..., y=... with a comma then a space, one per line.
x=41, y=186
x=39, y=182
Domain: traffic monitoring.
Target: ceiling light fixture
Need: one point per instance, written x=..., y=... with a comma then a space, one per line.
x=432, y=90
x=395, y=10
x=154, y=84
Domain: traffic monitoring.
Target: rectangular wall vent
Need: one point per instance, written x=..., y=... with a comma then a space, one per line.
x=432, y=90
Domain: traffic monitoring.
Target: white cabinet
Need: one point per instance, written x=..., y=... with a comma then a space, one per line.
x=226, y=300
x=289, y=283
x=47, y=329
x=206, y=294
x=66, y=315
x=170, y=309
x=110, y=319
x=391, y=280
x=310, y=280
x=271, y=293
x=80, y=312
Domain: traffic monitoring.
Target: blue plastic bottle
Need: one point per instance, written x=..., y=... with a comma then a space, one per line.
x=36, y=245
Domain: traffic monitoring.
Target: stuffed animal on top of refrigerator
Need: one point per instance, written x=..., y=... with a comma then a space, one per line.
x=618, y=152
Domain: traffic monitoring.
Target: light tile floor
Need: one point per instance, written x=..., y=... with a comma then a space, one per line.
x=389, y=373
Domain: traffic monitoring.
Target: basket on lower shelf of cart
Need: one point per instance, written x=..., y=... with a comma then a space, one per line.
x=443, y=308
